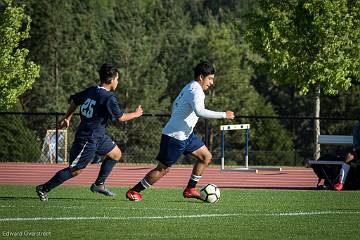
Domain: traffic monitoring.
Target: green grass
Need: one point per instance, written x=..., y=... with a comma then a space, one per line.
x=164, y=214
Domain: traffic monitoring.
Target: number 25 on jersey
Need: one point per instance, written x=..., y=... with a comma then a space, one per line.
x=87, y=109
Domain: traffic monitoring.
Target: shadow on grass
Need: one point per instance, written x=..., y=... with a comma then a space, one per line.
x=188, y=201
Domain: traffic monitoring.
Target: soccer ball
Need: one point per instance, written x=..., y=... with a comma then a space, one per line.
x=210, y=193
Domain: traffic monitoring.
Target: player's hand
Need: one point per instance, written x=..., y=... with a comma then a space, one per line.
x=63, y=124
x=230, y=115
x=350, y=157
x=139, y=111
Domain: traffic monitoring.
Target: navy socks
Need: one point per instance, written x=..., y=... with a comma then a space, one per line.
x=60, y=177
x=105, y=170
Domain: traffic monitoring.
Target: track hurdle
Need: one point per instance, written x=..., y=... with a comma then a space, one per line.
x=245, y=127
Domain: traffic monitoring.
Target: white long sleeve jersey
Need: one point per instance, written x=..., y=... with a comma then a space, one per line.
x=187, y=108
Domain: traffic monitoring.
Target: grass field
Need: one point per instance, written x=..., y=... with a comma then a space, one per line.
x=76, y=213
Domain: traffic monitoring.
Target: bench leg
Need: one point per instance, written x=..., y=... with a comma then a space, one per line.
x=328, y=179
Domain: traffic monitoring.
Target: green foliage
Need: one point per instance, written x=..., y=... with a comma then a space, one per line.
x=137, y=40
x=157, y=43
x=18, y=142
x=308, y=45
x=16, y=73
x=67, y=42
x=175, y=52
x=308, y=42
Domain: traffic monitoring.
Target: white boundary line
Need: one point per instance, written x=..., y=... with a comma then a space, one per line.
x=279, y=214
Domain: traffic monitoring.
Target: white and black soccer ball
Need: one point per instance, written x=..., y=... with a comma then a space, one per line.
x=210, y=193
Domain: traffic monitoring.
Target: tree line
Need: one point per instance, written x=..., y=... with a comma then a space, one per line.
x=268, y=54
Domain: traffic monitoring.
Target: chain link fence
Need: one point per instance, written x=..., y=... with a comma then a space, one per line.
x=273, y=141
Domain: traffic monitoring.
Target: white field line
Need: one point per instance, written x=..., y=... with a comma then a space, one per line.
x=280, y=214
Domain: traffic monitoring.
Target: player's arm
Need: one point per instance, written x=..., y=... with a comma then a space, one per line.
x=200, y=110
x=131, y=115
x=74, y=100
x=65, y=121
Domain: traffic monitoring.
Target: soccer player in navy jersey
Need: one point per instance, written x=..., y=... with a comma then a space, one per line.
x=178, y=137
x=97, y=105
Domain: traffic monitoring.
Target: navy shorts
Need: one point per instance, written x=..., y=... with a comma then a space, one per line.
x=83, y=150
x=171, y=148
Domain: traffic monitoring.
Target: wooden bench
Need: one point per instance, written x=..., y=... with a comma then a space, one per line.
x=328, y=170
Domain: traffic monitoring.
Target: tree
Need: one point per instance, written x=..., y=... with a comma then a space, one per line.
x=18, y=141
x=313, y=45
x=66, y=41
x=144, y=40
x=16, y=73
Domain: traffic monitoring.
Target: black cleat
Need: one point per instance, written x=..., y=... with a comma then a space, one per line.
x=42, y=194
x=102, y=190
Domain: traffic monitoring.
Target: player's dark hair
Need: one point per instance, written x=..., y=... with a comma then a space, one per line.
x=107, y=72
x=204, y=68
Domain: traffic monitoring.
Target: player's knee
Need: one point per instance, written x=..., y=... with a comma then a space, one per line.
x=115, y=154
x=118, y=155
x=166, y=171
x=75, y=172
x=207, y=158
x=163, y=172
x=163, y=169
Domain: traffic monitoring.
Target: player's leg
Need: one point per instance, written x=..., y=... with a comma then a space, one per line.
x=112, y=156
x=59, y=178
x=197, y=148
x=111, y=159
x=97, y=159
x=150, y=178
x=344, y=171
x=170, y=151
x=80, y=153
x=203, y=159
x=156, y=174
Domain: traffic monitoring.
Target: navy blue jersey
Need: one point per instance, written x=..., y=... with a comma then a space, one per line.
x=96, y=106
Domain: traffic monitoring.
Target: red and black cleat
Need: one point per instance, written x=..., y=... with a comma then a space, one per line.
x=338, y=186
x=191, y=193
x=133, y=195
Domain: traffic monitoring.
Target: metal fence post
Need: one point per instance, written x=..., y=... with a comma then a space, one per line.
x=207, y=133
x=56, y=138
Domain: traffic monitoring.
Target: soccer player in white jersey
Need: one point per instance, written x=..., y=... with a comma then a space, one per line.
x=178, y=137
